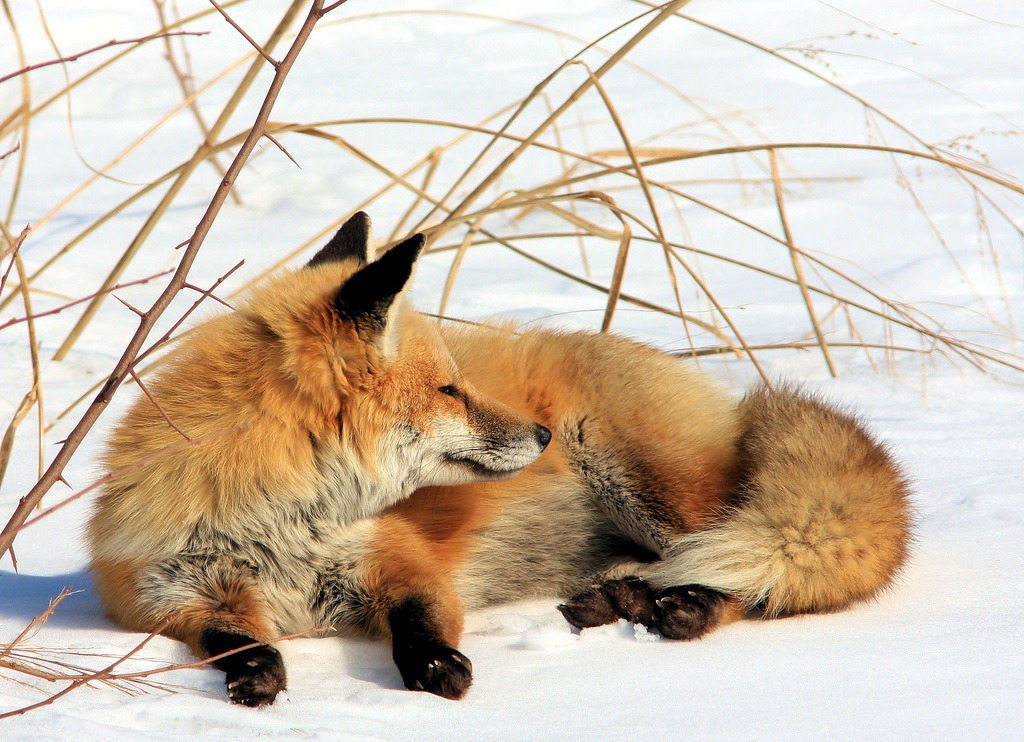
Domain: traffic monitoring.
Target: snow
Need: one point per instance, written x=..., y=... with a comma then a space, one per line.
x=938, y=656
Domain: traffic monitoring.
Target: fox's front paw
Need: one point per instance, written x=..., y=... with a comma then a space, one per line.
x=434, y=668
x=254, y=676
x=687, y=611
x=607, y=602
x=257, y=677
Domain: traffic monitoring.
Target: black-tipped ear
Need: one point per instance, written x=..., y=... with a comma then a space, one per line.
x=352, y=240
x=366, y=297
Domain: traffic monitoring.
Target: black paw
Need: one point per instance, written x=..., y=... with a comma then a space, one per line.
x=259, y=679
x=434, y=668
x=254, y=676
x=630, y=598
x=687, y=611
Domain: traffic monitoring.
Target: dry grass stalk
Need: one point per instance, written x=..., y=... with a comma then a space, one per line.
x=185, y=83
x=797, y=266
x=41, y=664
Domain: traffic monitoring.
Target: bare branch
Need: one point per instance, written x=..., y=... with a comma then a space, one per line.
x=205, y=293
x=12, y=250
x=62, y=307
x=11, y=151
x=260, y=50
x=13, y=659
x=36, y=623
x=101, y=47
x=98, y=675
x=156, y=404
x=280, y=146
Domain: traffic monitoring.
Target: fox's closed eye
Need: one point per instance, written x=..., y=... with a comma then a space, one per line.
x=450, y=391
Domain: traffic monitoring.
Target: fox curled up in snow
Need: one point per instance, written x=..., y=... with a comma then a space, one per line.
x=356, y=467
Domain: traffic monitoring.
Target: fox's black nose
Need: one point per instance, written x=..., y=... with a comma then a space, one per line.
x=543, y=436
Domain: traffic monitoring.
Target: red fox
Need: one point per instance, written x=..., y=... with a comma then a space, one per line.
x=355, y=467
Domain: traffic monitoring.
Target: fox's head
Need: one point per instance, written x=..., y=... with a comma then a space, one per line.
x=374, y=377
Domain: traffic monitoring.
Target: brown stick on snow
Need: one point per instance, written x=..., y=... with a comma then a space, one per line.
x=177, y=282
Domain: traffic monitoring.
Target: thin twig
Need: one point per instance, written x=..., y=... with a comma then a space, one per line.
x=259, y=49
x=280, y=146
x=203, y=295
x=75, y=302
x=159, y=408
x=98, y=675
x=10, y=152
x=36, y=623
x=113, y=42
x=12, y=251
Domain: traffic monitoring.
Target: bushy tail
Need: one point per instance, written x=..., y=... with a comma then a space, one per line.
x=822, y=519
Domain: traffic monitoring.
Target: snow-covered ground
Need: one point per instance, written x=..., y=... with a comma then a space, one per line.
x=938, y=657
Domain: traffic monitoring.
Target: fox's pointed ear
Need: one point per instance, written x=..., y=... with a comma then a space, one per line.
x=352, y=240
x=367, y=296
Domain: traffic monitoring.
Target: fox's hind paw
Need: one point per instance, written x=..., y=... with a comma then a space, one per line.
x=435, y=668
x=258, y=678
x=687, y=611
x=630, y=598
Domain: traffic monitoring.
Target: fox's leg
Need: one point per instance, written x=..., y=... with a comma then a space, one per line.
x=422, y=646
x=653, y=510
x=397, y=586
x=821, y=519
x=676, y=612
x=217, y=606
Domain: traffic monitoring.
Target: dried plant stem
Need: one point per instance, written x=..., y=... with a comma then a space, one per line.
x=98, y=675
x=7, y=442
x=14, y=657
x=798, y=269
x=619, y=271
x=188, y=91
x=460, y=254
x=10, y=250
x=106, y=675
x=659, y=230
x=30, y=317
x=428, y=177
x=24, y=128
x=36, y=392
x=77, y=435
x=516, y=203
x=75, y=57
x=868, y=106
